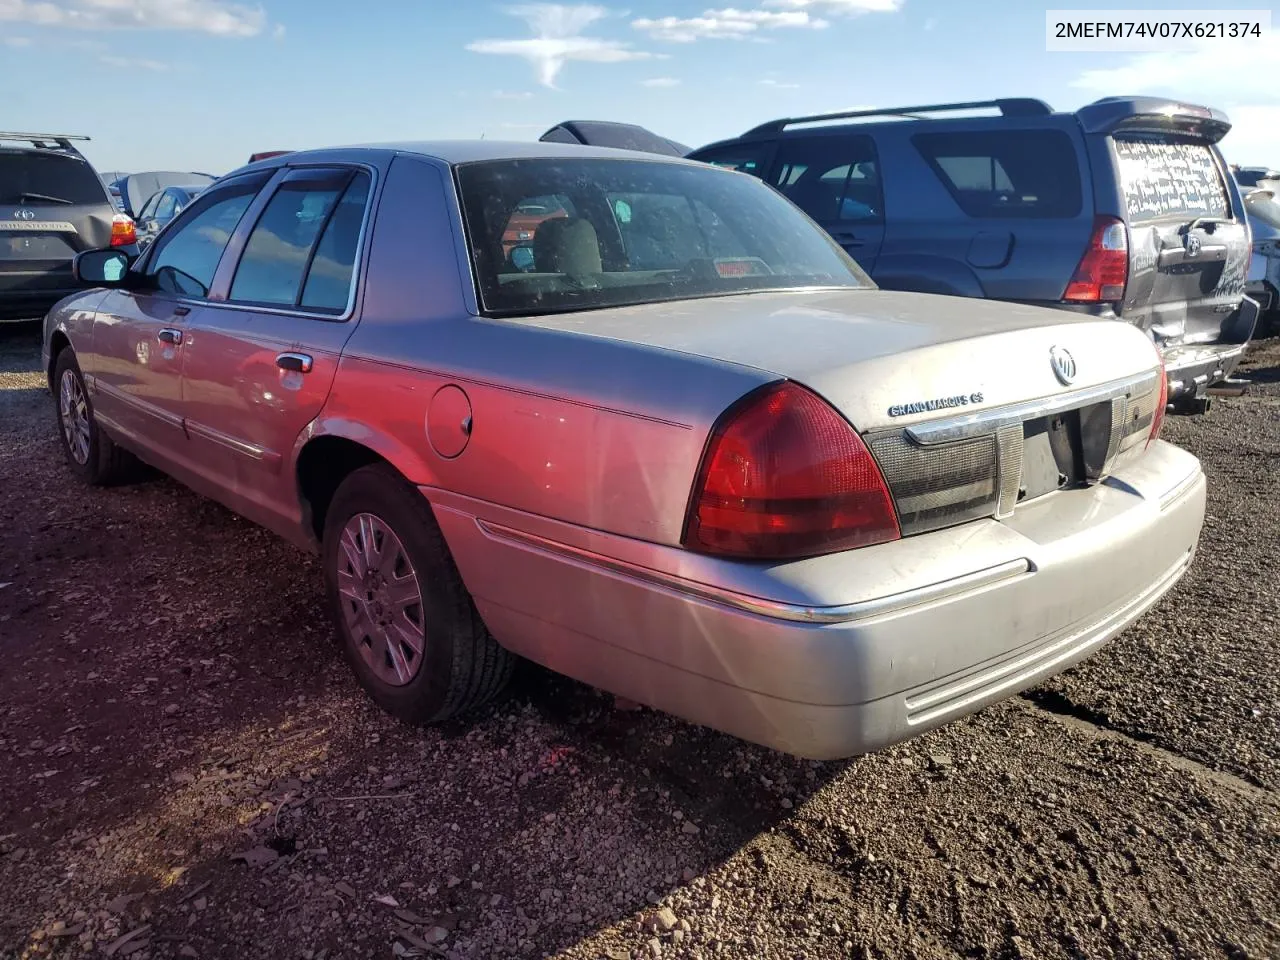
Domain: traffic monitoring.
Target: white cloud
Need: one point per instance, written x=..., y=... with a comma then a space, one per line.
x=778, y=84
x=557, y=39
x=1252, y=139
x=132, y=63
x=839, y=7
x=512, y=95
x=218, y=17
x=16, y=41
x=660, y=82
x=1194, y=75
x=725, y=24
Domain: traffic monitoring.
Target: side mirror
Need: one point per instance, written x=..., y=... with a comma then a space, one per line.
x=100, y=267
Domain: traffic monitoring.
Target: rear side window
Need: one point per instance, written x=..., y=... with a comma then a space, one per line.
x=1030, y=174
x=743, y=157
x=328, y=286
x=302, y=249
x=30, y=177
x=831, y=178
x=1165, y=180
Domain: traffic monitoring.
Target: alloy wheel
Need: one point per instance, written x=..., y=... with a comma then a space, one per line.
x=381, y=599
x=73, y=410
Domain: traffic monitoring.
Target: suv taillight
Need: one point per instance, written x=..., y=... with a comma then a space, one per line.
x=1103, y=271
x=123, y=232
x=785, y=476
x=1157, y=416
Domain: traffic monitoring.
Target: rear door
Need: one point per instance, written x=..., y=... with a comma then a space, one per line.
x=52, y=206
x=1189, y=249
x=1008, y=203
x=835, y=179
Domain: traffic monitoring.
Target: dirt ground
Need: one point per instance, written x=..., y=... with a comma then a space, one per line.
x=188, y=770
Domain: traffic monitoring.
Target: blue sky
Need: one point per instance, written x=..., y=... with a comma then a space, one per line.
x=199, y=84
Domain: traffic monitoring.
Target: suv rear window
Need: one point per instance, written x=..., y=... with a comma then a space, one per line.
x=1166, y=180
x=1006, y=173
x=27, y=176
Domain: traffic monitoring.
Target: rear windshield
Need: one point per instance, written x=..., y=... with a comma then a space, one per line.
x=552, y=235
x=1163, y=180
x=33, y=178
x=1027, y=174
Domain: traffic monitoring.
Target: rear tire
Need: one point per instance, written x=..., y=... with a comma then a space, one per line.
x=408, y=626
x=92, y=455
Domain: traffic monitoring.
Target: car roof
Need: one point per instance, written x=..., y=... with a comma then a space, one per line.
x=471, y=151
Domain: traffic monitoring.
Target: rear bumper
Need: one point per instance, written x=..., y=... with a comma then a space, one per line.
x=1193, y=369
x=844, y=654
x=31, y=304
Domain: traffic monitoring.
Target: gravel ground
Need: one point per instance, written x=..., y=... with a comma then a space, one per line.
x=188, y=770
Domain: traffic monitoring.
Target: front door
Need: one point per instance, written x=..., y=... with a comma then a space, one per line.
x=259, y=364
x=140, y=334
x=135, y=369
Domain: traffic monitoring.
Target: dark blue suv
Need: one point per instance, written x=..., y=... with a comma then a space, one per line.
x=1122, y=209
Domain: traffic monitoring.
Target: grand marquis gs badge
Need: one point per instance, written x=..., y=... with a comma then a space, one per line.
x=942, y=403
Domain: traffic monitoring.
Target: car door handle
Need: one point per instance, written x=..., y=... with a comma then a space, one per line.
x=170, y=335
x=296, y=362
x=1206, y=253
x=181, y=311
x=846, y=239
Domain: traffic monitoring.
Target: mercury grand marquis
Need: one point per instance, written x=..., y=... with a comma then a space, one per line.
x=673, y=442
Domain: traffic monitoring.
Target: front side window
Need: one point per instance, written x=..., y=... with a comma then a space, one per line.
x=302, y=249
x=637, y=231
x=149, y=211
x=187, y=255
x=831, y=178
x=1025, y=174
x=166, y=208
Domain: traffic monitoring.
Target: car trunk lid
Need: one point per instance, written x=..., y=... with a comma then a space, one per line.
x=969, y=406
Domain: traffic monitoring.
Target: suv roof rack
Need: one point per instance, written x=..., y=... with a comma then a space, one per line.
x=48, y=141
x=1009, y=107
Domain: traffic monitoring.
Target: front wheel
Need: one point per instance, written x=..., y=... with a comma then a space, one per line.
x=408, y=626
x=92, y=454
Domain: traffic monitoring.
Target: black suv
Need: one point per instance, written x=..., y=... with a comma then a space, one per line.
x=1123, y=209
x=52, y=205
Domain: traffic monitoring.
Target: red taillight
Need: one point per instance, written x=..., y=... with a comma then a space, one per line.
x=1157, y=418
x=123, y=231
x=786, y=476
x=1103, y=271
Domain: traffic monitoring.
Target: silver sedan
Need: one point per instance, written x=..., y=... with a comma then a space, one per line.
x=638, y=420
